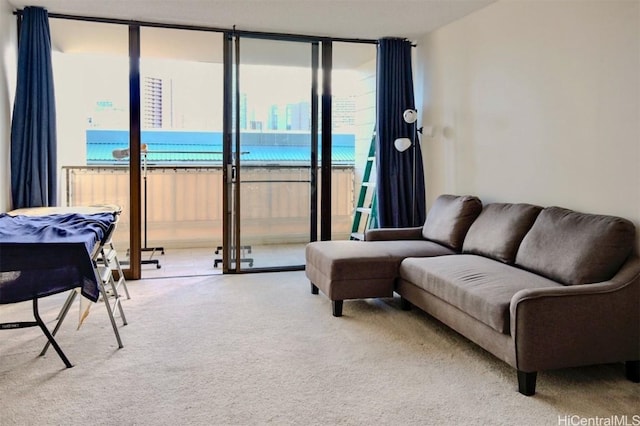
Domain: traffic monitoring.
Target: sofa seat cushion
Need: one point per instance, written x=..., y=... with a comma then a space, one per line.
x=499, y=230
x=361, y=259
x=576, y=248
x=476, y=285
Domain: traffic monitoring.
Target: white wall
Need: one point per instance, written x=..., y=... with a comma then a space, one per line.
x=8, y=55
x=539, y=102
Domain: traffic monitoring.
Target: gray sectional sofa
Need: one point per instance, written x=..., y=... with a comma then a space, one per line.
x=539, y=288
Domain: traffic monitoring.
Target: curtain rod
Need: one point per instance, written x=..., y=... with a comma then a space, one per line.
x=246, y=33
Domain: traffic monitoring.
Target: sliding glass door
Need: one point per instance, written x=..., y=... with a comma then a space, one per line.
x=273, y=153
x=181, y=128
x=299, y=120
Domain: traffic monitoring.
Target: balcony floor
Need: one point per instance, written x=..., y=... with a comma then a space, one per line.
x=182, y=262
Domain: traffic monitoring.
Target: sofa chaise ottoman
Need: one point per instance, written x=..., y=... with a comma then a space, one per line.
x=357, y=270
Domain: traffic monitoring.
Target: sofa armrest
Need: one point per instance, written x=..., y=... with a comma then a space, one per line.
x=390, y=234
x=578, y=325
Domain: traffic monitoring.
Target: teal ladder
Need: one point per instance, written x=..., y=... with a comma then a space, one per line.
x=365, y=214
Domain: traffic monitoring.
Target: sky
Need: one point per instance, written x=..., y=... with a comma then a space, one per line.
x=92, y=81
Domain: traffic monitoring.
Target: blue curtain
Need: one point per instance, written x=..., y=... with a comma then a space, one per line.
x=33, y=129
x=395, y=169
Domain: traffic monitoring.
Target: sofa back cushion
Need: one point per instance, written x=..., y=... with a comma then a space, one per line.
x=449, y=219
x=499, y=230
x=576, y=248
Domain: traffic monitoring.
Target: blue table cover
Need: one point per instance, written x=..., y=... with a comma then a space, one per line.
x=44, y=255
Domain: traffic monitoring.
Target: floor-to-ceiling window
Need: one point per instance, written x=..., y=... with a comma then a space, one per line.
x=181, y=128
x=280, y=137
x=91, y=74
x=275, y=131
x=353, y=126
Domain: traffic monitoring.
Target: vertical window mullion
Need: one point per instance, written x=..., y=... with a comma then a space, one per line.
x=325, y=196
x=134, y=151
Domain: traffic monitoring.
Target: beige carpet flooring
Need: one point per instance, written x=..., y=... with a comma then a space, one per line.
x=261, y=349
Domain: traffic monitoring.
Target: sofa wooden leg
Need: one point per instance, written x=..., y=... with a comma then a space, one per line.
x=314, y=289
x=527, y=383
x=405, y=305
x=337, y=308
x=632, y=370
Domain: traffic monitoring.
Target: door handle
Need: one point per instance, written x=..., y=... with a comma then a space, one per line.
x=231, y=173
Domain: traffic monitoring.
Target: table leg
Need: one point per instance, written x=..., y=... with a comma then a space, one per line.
x=46, y=332
x=61, y=316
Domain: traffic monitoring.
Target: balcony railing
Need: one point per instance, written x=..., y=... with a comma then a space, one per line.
x=184, y=204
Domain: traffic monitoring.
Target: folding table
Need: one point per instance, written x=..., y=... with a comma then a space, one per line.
x=51, y=250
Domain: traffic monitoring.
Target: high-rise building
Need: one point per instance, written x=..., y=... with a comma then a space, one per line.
x=108, y=114
x=298, y=116
x=243, y=111
x=343, y=110
x=152, y=103
x=272, y=121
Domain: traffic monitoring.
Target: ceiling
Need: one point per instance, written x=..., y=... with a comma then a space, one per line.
x=357, y=19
